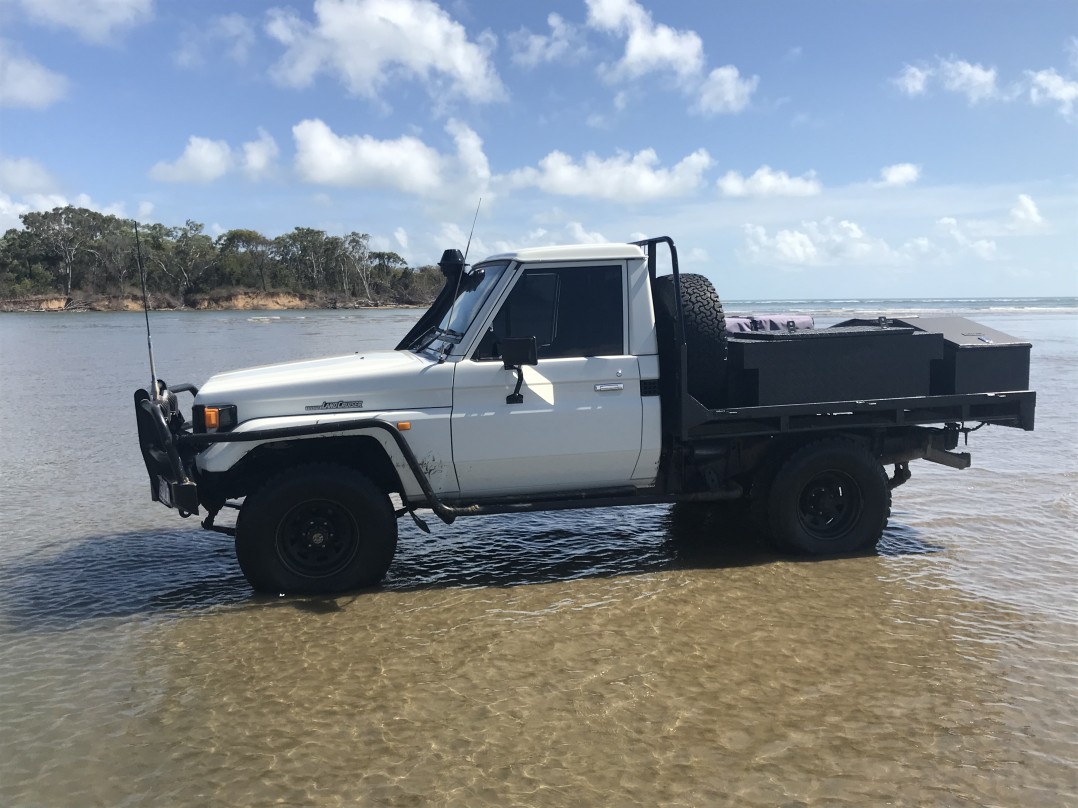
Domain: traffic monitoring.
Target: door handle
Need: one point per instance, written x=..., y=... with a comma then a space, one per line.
x=606, y=388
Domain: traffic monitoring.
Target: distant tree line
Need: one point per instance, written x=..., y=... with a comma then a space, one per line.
x=73, y=251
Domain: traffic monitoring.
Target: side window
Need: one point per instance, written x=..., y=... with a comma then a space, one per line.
x=576, y=311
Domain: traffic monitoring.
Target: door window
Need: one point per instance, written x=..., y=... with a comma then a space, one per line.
x=577, y=311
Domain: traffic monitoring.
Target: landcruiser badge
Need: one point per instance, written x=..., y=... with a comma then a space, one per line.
x=336, y=405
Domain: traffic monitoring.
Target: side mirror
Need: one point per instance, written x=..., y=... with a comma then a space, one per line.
x=517, y=351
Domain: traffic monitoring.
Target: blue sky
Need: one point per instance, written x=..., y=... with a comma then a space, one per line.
x=827, y=149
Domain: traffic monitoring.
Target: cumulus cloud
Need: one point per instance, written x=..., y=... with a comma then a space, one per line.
x=825, y=243
x=21, y=175
x=404, y=164
x=259, y=155
x=898, y=175
x=768, y=182
x=724, y=90
x=11, y=209
x=205, y=160
x=564, y=44
x=985, y=249
x=976, y=82
x=912, y=80
x=233, y=34
x=579, y=235
x=649, y=46
x=25, y=82
x=622, y=178
x=1024, y=216
x=96, y=21
x=980, y=84
x=652, y=47
x=1048, y=87
x=363, y=42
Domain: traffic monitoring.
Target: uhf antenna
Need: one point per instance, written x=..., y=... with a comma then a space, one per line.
x=146, y=312
x=464, y=263
x=469, y=245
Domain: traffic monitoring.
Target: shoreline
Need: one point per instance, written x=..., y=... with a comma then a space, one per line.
x=235, y=301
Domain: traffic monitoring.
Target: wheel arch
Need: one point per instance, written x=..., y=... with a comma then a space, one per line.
x=362, y=453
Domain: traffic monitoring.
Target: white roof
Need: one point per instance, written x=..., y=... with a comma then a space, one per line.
x=572, y=252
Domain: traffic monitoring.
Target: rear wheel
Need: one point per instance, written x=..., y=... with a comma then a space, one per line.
x=829, y=497
x=317, y=528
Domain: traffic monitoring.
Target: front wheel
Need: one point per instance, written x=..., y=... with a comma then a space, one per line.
x=829, y=497
x=316, y=529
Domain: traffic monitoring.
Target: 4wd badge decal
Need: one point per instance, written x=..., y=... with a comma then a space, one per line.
x=335, y=405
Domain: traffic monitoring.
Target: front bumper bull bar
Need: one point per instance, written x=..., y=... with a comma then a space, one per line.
x=170, y=483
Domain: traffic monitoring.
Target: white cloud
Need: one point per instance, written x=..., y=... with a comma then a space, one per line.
x=649, y=46
x=652, y=47
x=767, y=182
x=1048, y=87
x=26, y=83
x=11, y=209
x=912, y=80
x=203, y=160
x=145, y=210
x=825, y=243
x=564, y=44
x=1022, y=219
x=985, y=249
x=578, y=235
x=259, y=155
x=1024, y=216
x=725, y=91
x=401, y=235
x=623, y=178
x=232, y=32
x=405, y=164
x=976, y=82
x=363, y=42
x=97, y=21
x=899, y=175
x=21, y=175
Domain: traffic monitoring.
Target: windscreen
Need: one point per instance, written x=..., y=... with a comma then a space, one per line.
x=475, y=287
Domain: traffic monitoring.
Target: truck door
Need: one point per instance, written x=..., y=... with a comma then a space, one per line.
x=579, y=425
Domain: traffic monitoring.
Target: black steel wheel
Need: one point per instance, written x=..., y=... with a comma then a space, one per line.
x=318, y=528
x=829, y=497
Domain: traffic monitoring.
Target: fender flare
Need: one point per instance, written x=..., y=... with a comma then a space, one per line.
x=397, y=449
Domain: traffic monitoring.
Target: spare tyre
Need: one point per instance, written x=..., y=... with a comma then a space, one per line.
x=705, y=335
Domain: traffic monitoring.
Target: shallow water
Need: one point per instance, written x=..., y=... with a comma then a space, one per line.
x=608, y=657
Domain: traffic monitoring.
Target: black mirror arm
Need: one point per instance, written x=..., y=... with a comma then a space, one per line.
x=515, y=397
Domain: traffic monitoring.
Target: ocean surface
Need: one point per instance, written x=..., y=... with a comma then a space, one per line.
x=610, y=657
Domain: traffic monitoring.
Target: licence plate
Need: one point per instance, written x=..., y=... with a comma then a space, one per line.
x=164, y=492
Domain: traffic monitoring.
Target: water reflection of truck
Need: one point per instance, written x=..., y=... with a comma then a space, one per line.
x=576, y=377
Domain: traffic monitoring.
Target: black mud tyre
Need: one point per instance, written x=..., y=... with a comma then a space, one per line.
x=316, y=529
x=705, y=334
x=829, y=497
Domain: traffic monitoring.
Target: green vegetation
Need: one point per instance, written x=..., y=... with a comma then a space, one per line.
x=75, y=253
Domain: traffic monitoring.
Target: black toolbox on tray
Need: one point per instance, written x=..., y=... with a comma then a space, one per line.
x=848, y=362
x=874, y=359
x=976, y=359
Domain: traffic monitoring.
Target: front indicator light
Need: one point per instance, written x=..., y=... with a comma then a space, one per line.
x=212, y=417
